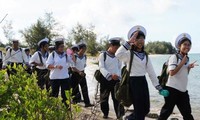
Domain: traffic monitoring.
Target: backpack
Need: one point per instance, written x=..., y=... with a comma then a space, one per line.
x=122, y=88
x=164, y=74
x=97, y=73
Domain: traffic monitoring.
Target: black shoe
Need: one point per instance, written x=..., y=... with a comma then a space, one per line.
x=89, y=105
x=105, y=117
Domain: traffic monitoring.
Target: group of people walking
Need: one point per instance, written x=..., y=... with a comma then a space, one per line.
x=175, y=92
x=57, y=69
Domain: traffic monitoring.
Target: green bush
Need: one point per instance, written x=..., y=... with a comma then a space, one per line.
x=21, y=98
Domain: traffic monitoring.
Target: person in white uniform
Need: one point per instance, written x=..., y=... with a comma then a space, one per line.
x=79, y=78
x=141, y=65
x=15, y=55
x=110, y=68
x=38, y=59
x=178, y=68
x=58, y=63
x=27, y=51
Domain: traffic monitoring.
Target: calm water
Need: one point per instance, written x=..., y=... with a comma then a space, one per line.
x=193, y=84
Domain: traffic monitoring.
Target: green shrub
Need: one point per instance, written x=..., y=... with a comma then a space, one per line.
x=21, y=98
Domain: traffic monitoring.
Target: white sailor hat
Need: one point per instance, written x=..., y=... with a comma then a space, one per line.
x=75, y=47
x=43, y=40
x=7, y=47
x=136, y=28
x=26, y=49
x=51, y=47
x=58, y=40
x=115, y=40
x=15, y=40
x=82, y=44
x=181, y=37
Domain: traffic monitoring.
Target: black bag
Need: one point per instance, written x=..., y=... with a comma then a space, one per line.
x=97, y=75
x=163, y=78
x=122, y=88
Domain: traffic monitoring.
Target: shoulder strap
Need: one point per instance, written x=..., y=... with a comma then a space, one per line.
x=75, y=56
x=176, y=57
x=53, y=54
x=66, y=57
x=1, y=54
x=147, y=57
x=104, y=56
x=131, y=61
x=40, y=56
x=85, y=57
x=10, y=51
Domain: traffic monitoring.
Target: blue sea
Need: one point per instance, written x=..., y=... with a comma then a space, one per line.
x=193, y=84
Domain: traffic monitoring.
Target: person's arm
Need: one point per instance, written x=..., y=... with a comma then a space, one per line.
x=154, y=79
x=25, y=58
x=50, y=62
x=174, y=67
x=6, y=58
x=123, y=52
x=152, y=74
x=192, y=65
x=34, y=60
x=103, y=69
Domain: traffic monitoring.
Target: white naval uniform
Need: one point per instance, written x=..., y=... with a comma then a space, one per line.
x=110, y=66
x=59, y=60
x=18, y=56
x=80, y=63
x=139, y=67
x=35, y=58
x=178, y=81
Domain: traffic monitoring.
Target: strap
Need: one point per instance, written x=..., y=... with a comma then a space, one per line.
x=40, y=56
x=131, y=60
x=1, y=54
x=66, y=57
x=147, y=57
x=104, y=56
x=53, y=54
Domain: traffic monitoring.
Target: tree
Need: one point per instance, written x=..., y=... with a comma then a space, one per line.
x=158, y=47
x=103, y=44
x=80, y=33
x=8, y=31
x=41, y=29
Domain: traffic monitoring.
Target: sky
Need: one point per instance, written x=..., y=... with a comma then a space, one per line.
x=164, y=20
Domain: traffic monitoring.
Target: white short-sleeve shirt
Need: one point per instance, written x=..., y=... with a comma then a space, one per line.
x=180, y=79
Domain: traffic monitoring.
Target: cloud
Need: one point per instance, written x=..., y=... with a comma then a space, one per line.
x=161, y=6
